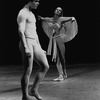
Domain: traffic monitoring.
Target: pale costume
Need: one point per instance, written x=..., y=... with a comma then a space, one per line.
x=67, y=32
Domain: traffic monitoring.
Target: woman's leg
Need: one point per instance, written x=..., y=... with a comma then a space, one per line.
x=61, y=51
x=59, y=66
x=60, y=71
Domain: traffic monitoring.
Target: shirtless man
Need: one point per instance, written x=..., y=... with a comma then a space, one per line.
x=31, y=50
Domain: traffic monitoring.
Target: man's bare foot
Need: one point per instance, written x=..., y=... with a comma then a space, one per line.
x=27, y=98
x=35, y=94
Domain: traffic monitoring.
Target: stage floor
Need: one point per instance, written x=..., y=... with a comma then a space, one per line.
x=83, y=83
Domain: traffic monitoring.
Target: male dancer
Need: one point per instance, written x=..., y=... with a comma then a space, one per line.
x=31, y=50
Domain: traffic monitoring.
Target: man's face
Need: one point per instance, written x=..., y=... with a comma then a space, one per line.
x=35, y=4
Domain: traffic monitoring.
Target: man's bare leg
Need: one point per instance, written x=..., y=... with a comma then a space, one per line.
x=42, y=60
x=27, y=63
x=34, y=90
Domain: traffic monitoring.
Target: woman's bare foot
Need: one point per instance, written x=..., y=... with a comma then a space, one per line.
x=65, y=74
x=35, y=94
x=60, y=78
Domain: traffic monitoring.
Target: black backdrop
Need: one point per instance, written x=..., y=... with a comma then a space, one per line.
x=84, y=48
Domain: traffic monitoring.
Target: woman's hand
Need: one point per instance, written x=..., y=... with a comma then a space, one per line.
x=73, y=19
x=56, y=26
x=39, y=17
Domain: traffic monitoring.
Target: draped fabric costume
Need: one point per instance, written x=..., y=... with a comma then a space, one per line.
x=67, y=32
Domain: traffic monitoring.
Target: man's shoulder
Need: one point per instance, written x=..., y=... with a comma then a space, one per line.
x=21, y=15
x=22, y=12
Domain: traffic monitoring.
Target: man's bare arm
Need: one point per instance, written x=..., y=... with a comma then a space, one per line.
x=22, y=24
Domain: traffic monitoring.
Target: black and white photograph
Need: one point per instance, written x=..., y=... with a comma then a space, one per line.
x=50, y=50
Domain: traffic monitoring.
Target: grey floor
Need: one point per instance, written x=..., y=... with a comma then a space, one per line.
x=83, y=83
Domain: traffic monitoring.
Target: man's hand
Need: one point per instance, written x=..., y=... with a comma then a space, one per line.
x=44, y=51
x=28, y=53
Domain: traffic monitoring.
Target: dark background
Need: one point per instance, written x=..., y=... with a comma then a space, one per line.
x=84, y=48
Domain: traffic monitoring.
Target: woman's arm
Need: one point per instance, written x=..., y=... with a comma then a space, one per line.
x=66, y=19
x=45, y=19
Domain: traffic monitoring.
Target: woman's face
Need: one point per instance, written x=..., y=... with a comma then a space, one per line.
x=58, y=11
